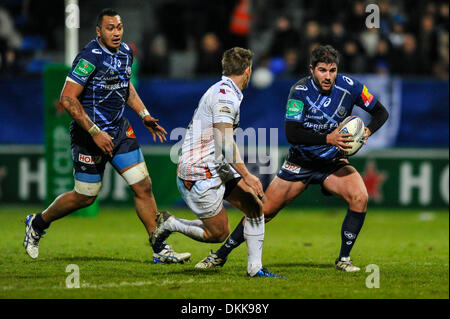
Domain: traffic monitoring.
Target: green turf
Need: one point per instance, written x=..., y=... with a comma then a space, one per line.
x=111, y=250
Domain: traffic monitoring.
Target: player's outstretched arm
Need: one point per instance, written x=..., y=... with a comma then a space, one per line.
x=223, y=137
x=136, y=104
x=70, y=102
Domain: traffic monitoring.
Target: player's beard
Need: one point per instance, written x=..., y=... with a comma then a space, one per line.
x=321, y=89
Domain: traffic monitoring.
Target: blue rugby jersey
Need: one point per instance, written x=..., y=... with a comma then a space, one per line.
x=105, y=77
x=322, y=113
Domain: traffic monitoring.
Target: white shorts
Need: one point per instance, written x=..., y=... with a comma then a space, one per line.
x=205, y=198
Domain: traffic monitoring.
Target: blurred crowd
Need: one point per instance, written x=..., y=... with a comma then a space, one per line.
x=189, y=37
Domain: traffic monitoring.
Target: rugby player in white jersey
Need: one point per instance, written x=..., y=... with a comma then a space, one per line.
x=210, y=168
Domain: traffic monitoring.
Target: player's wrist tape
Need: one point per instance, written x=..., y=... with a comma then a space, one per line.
x=143, y=113
x=94, y=130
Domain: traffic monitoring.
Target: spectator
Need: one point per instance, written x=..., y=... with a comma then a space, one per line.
x=10, y=42
x=156, y=62
x=209, y=56
x=408, y=60
x=285, y=37
x=353, y=59
x=398, y=32
x=428, y=42
x=337, y=36
x=381, y=62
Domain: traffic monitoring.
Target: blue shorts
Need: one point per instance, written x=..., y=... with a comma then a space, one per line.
x=311, y=174
x=89, y=161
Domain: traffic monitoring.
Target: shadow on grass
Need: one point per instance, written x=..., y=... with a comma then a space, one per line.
x=302, y=265
x=75, y=259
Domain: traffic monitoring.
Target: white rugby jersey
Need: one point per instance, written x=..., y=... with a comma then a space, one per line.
x=220, y=104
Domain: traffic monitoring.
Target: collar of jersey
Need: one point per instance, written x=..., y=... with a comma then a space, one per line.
x=105, y=49
x=236, y=89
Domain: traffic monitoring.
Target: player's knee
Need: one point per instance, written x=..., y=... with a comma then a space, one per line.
x=359, y=199
x=218, y=235
x=143, y=188
x=84, y=200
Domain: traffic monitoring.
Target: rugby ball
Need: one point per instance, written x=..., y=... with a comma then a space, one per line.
x=355, y=126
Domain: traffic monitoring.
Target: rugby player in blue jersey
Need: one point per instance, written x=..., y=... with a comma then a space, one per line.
x=316, y=106
x=95, y=94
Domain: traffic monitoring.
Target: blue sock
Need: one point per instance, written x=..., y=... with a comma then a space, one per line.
x=234, y=240
x=351, y=226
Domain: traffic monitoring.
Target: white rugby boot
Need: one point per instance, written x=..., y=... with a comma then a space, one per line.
x=32, y=237
x=210, y=261
x=168, y=256
x=345, y=264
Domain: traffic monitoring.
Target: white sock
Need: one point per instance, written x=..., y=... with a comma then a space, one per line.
x=254, y=235
x=191, y=228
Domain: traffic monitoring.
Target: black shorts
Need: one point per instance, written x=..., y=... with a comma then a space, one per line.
x=89, y=161
x=312, y=173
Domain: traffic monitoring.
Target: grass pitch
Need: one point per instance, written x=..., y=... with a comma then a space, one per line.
x=411, y=249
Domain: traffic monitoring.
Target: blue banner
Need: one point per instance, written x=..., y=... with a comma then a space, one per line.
x=419, y=109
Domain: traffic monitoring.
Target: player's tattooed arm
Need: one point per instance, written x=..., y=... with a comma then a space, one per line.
x=70, y=102
x=136, y=104
x=76, y=111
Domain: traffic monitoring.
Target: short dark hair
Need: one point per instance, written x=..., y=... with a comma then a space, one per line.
x=105, y=12
x=324, y=53
x=236, y=60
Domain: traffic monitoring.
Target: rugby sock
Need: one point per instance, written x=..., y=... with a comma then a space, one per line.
x=39, y=224
x=254, y=236
x=158, y=246
x=191, y=228
x=234, y=240
x=351, y=226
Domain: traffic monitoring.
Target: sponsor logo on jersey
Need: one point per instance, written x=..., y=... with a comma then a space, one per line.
x=348, y=80
x=130, y=132
x=301, y=87
x=84, y=68
x=226, y=102
x=314, y=117
x=88, y=159
x=341, y=111
x=223, y=109
x=366, y=96
x=294, y=107
x=320, y=127
x=291, y=167
x=222, y=91
x=96, y=51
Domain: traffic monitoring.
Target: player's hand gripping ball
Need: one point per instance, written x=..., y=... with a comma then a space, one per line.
x=355, y=126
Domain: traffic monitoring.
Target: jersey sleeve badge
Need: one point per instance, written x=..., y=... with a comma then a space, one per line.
x=83, y=70
x=294, y=109
x=366, y=96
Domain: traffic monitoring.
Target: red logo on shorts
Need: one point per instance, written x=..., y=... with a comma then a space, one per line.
x=86, y=159
x=130, y=132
